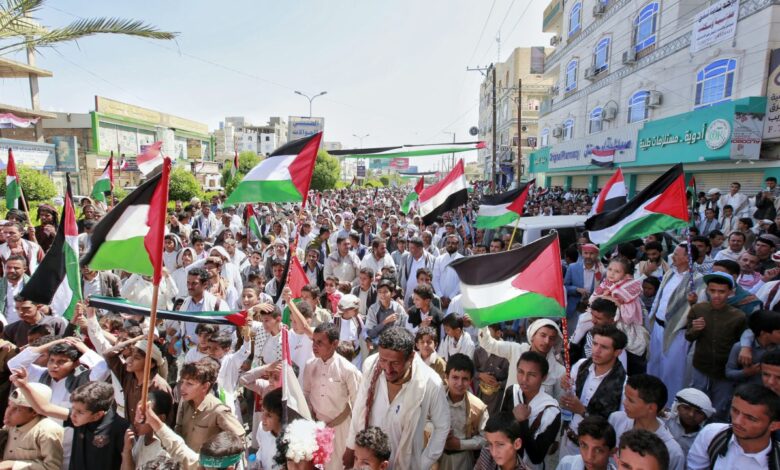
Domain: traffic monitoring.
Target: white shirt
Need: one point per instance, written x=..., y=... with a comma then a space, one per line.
x=735, y=458
x=229, y=371
x=411, y=282
x=666, y=294
x=464, y=345
x=10, y=306
x=376, y=265
x=300, y=351
x=592, y=383
x=623, y=423
x=728, y=254
x=445, y=281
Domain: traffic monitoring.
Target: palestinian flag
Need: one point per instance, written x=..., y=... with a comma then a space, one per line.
x=404, y=151
x=57, y=281
x=447, y=194
x=527, y=282
x=104, y=184
x=503, y=209
x=251, y=221
x=121, y=305
x=150, y=158
x=413, y=196
x=293, y=399
x=659, y=207
x=693, y=194
x=13, y=188
x=611, y=196
x=130, y=236
x=296, y=279
x=284, y=176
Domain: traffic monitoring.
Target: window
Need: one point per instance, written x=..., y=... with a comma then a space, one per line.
x=715, y=82
x=568, y=129
x=595, y=122
x=575, y=19
x=601, y=56
x=644, y=27
x=544, y=137
x=571, y=76
x=637, y=106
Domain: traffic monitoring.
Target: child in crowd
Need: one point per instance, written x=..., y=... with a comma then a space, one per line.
x=220, y=348
x=597, y=446
x=141, y=445
x=504, y=444
x=455, y=341
x=372, y=449
x=425, y=342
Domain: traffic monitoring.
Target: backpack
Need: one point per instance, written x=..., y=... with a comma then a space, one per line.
x=720, y=444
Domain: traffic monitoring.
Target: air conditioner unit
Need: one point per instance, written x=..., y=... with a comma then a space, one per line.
x=629, y=56
x=557, y=131
x=599, y=9
x=609, y=113
x=589, y=73
x=654, y=98
x=555, y=40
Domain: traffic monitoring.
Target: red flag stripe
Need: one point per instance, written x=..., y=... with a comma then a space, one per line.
x=158, y=209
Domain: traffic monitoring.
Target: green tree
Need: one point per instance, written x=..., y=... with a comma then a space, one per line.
x=183, y=185
x=35, y=185
x=326, y=171
x=20, y=31
x=246, y=161
x=385, y=181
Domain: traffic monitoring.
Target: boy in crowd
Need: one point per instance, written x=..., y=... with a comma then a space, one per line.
x=424, y=313
x=425, y=344
x=597, y=446
x=33, y=440
x=715, y=326
x=690, y=410
x=536, y=411
x=645, y=398
x=98, y=432
x=351, y=327
x=650, y=287
x=201, y=415
x=385, y=312
x=770, y=371
x=642, y=450
x=504, y=445
x=455, y=341
x=365, y=290
x=747, y=442
x=220, y=348
x=468, y=416
x=492, y=373
x=141, y=445
x=372, y=449
x=765, y=326
x=602, y=312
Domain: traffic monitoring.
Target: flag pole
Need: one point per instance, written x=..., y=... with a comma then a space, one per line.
x=512, y=238
x=24, y=205
x=149, y=346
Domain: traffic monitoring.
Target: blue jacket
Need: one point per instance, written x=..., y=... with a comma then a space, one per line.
x=575, y=278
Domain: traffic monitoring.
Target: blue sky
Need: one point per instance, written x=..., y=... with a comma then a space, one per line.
x=393, y=69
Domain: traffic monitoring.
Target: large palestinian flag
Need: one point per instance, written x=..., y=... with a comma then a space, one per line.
x=130, y=236
x=284, y=176
x=659, y=207
x=405, y=151
x=449, y=193
x=413, y=196
x=502, y=209
x=612, y=195
x=527, y=282
x=57, y=281
x=104, y=184
x=120, y=305
x=13, y=189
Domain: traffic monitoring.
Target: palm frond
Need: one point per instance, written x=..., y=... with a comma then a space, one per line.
x=15, y=18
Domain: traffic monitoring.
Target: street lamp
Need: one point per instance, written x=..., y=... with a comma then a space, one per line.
x=310, y=98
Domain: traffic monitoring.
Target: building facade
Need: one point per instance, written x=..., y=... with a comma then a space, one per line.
x=644, y=85
x=524, y=68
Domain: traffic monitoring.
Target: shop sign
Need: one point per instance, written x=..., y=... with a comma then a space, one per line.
x=714, y=24
x=34, y=155
x=746, y=138
x=620, y=143
x=300, y=126
x=772, y=121
x=129, y=111
x=65, y=153
x=717, y=134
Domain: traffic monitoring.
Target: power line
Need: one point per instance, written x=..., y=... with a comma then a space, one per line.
x=481, y=33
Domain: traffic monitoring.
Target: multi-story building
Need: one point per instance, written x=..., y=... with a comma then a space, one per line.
x=237, y=133
x=525, y=65
x=644, y=85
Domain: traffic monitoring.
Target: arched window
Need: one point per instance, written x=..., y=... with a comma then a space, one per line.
x=637, y=106
x=601, y=56
x=715, y=82
x=645, y=27
x=575, y=19
x=544, y=137
x=568, y=129
x=571, y=76
x=595, y=121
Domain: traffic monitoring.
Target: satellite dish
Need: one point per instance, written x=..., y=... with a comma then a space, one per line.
x=474, y=130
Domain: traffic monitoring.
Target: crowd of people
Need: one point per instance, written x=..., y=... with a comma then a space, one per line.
x=671, y=345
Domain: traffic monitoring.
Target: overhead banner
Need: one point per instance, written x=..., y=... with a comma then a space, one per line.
x=714, y=24
x=619, y=144
x=300, y=127
x=403, y=151
x=399, y=164
x=35, y=155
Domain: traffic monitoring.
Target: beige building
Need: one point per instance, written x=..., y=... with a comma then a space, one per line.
x=524, y=64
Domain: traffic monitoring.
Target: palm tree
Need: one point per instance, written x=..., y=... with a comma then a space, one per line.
x=19, y=31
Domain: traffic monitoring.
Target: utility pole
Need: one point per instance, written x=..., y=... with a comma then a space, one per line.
x=484, y=70
x=519, y=130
